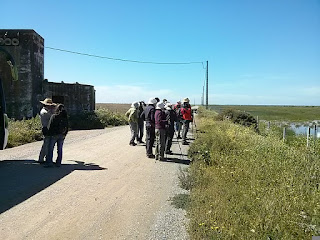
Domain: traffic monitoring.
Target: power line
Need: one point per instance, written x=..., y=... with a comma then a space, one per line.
x=123, y=60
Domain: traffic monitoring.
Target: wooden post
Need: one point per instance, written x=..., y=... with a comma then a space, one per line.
x=315, y=132
x=284, y=134
x=268, y=125
x=308, y=135
x=258, y=122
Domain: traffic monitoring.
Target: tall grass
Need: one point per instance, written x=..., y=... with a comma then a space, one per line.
x=248, y=186
x=280, y=113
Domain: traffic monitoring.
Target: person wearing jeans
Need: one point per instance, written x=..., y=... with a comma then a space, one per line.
x=45, y=115
x=57, y=129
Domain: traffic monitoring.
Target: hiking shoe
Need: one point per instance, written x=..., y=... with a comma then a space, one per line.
x=141, y=141
x=178, y=137
x=132, y=144
x=162, y=159
x=151, y=156
x=41, y=162
x=169, y=152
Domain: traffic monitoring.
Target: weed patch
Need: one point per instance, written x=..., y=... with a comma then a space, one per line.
x=181, y=201
x=249, y=186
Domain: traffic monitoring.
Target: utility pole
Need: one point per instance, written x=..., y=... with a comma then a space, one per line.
x=207, y=87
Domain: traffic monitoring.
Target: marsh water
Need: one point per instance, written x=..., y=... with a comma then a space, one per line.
x=302, y=128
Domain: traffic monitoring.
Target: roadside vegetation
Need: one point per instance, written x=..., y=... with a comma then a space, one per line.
x=26, y=131
x=279, y=113
x=249, y=184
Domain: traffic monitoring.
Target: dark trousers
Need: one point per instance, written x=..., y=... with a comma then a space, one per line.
x=185, y=129
x=150, y=136
x=140, y=131
x=169, y=137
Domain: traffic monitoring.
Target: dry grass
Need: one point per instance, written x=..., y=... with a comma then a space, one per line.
x=114, y=107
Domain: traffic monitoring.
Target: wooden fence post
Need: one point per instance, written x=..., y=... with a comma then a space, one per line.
x=284, y=134
x=308, y=136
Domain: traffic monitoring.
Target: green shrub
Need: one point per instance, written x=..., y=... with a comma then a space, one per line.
x=110, y=118
x=248, y=186
x=85, y=121
x=24, y=131
x=238, y=117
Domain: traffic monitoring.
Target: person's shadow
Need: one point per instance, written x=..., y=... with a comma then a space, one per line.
x=21, y=179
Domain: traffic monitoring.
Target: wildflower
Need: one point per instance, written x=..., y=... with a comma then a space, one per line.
x=252, y=230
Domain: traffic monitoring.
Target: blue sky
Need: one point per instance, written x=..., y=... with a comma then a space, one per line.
x=259, y=52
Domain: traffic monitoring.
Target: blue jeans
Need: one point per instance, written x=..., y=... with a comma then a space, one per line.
x=59, y=139
x=44, y=148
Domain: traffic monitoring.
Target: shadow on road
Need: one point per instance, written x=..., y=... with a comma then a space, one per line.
x=21, y=179
x=177, y=160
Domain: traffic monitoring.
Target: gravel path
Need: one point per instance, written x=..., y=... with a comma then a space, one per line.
x=105, y=189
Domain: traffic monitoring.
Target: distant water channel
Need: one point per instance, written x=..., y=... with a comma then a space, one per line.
x=302, y=128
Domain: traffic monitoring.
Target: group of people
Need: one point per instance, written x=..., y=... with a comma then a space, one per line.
x=161, y=120
x=54, y=120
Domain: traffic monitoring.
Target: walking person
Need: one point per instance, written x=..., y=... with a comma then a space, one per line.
x=140, y=121
x=132, y=114
x=177, y=108
x=160, y=126
x=45, y=115
x=148, y=115
x=186, y=119
x=57, y=128
x=171, y=118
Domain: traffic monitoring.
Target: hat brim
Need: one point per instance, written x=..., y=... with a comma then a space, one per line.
x=48, y=104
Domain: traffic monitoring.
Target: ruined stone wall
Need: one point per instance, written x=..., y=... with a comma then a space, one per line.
x=76, y=97
x=26, y=48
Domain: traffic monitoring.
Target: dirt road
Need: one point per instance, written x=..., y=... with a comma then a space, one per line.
x=105, y=189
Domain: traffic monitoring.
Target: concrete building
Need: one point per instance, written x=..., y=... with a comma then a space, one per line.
x=24, y=50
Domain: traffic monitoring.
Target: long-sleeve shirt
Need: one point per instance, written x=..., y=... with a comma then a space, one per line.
x=171, y=117
x=45, y=115
x=132, y=114
x=148, y=115
x=160, y=119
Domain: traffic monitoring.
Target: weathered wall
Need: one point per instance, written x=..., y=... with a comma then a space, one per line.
x=76, y=97
x=26, y=48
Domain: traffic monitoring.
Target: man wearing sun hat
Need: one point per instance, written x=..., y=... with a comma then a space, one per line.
x=45, y=115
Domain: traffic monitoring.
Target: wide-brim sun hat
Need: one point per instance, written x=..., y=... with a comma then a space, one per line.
x=168, y=106
x=160, y=105
x=135, y=104
x=186, y=100
x=152, y=101
x=48, y=102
